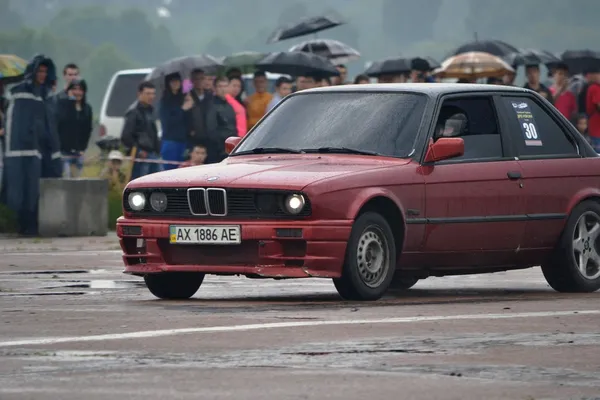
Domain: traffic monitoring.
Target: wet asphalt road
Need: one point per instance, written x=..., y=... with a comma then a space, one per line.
x=72, y=326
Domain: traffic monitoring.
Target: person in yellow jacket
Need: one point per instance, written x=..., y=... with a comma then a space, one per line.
x=256, y=104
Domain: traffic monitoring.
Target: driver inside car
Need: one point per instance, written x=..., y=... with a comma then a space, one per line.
x=451, y=122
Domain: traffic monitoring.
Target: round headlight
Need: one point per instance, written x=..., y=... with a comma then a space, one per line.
x=158, y=201
x=137, y=201
x=294, y=203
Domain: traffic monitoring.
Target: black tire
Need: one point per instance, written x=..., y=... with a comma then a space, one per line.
x=561, y=271
x=174, y=285
x=400, y=282
x=357, y=282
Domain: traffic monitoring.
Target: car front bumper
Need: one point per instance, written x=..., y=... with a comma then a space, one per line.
x=268, y=249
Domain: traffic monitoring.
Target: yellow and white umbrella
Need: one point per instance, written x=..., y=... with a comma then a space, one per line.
x=473, y=65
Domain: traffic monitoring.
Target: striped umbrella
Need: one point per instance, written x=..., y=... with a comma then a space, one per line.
x=336, y=51
x=473, y=65
x=12, y=68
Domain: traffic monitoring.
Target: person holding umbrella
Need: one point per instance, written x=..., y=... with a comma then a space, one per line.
x=173, y=120
x=533, y=82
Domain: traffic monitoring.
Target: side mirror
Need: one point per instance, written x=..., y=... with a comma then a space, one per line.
x=231, y=142
x=445, y=148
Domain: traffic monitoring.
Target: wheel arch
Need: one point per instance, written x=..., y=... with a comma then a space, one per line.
x=387, y=205
x=581, y=196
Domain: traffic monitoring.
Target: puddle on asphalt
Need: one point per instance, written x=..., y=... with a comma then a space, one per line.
x=50, y=272
x=36, y=294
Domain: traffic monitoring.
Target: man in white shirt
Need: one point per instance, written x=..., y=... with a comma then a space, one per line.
x=283, y=87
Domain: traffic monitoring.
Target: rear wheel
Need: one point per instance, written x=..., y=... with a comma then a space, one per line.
x=174, y=285
x=575, y=266
x=370, y=259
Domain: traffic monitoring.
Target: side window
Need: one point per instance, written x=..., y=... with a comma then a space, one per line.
x=474, y=120
x=533, y=131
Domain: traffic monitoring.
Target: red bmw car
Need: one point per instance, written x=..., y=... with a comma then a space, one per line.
x=377, y=186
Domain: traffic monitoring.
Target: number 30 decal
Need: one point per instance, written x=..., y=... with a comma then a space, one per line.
x=530, y=131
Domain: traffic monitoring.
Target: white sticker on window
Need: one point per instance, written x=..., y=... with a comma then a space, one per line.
x=527, y=123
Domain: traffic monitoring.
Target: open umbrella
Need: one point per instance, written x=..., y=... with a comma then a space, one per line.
x=494, y=47
x=424, y=64
x=531, y=57
x=389, y=66
x=473, y=65
x=579, y=61
x=244, y=60
x=12, y=68
x=185, y=65
x=334, y=50
x=298, y=63
x=303, y=27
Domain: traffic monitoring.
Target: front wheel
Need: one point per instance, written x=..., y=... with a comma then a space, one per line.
x=174, y=285
x=370, y=259
x=400, y=282
x=575, y=265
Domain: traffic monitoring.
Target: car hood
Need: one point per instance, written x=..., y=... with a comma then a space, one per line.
x=292, y=172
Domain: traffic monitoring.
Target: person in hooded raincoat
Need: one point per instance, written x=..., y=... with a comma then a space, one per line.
x=30, y=133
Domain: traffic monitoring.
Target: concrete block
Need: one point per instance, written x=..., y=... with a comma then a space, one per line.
x=73, y=207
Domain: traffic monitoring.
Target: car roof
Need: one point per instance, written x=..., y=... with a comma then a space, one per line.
x=432, y=89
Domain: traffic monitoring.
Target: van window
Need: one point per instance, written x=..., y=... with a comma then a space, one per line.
x=123, y=94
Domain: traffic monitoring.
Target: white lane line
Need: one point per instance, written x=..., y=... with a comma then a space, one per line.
x=278, y=325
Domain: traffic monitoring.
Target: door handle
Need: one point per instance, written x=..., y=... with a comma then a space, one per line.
x=513, y=175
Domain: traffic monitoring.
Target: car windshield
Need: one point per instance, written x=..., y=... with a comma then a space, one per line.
x=377, y=123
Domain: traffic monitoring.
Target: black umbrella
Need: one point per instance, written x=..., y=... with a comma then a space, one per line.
x=494, y=47
x=580, y=61
x=424, y=64
x=303, y=27
x=389, y=66
x=335, y=51
x=531, y=57
x=185, y=65
x=297, y=63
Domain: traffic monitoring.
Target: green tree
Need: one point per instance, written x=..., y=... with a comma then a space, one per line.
x=100, y=66
x=131, y=31
x=10, y=19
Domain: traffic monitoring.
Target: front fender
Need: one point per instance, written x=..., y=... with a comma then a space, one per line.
x=367, y=194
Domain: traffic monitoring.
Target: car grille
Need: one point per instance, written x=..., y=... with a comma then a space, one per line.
x=218, y=203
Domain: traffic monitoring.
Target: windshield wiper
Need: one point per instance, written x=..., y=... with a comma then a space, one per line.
x=341, y=150
x=268, y=150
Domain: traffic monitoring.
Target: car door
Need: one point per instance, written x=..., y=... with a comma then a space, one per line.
x=553, y=171
x=475, y=210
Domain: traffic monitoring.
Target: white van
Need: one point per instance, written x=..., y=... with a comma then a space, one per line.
x=120, y=94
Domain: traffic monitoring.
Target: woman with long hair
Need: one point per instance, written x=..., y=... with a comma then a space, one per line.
x=173, y=105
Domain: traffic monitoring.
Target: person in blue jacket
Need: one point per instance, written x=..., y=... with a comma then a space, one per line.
x=173, y=121
x=30, y=132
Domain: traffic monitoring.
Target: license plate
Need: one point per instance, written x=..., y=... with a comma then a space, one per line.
x=205, y=234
